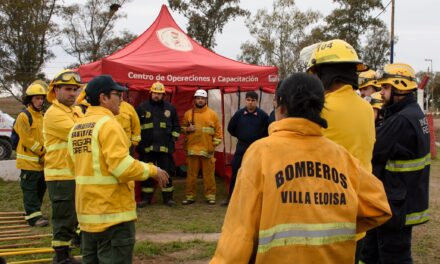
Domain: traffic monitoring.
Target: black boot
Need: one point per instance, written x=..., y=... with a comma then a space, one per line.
x=62, y=256
x=168, y=199
x=146, y=200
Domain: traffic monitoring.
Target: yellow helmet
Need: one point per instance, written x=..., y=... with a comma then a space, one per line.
x=368, y=78
x=400, y=75
x=38, y=87
x=335, y=51
x=376, y=100
x=157, y=87
x=65, y=77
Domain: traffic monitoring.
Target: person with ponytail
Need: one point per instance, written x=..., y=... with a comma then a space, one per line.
x=299, y=197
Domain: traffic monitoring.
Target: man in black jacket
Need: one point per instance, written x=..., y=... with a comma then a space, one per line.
x=159, y=131
x=401, y=160
x=247, y=125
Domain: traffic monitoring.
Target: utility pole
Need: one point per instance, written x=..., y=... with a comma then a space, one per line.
x=392, y=32
x=432, y=86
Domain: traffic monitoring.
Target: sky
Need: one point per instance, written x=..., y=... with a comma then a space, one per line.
x=417, y=29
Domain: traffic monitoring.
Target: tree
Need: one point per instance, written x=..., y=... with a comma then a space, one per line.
x=26, y=33
x=89, y=30
x=351, y=20
x=279, y=36
x=376, y=51
x=206, y=18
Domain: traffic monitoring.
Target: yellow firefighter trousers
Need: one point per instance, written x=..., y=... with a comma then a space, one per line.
x=208, y=167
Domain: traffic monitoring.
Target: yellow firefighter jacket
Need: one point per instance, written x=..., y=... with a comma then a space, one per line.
x=129, y=121
x=299, y=198
x=30, y=150
x=350, y=122
x=104, y=171
x=57, y=123
x=208, y=133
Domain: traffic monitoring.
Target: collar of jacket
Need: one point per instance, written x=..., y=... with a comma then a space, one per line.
x=33, y=111
x=64, y=107
x=98, y=110
x=342, y=90
x=397, y=107
x=200, y=110
x=300, y=126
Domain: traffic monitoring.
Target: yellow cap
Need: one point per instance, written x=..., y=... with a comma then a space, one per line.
x=157, y=87
x=376, y=100
x=400, y=75
x=64, y=77
x=38, y=87
x=368, y=78
x=335, y=51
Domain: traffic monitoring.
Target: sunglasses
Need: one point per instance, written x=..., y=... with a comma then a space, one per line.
x=67, y=76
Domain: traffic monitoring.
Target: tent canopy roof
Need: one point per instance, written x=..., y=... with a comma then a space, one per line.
x=165, y=53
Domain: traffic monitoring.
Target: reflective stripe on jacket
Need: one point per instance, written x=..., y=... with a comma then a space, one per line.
x=58, y=121
x=401, y=159
x=208, y=133
x=30, y=150
x=129, y=121
x=104, y=171
x=160, y=127
x=299, y=198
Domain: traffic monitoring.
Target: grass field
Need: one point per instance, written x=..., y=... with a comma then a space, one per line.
x=161, y=223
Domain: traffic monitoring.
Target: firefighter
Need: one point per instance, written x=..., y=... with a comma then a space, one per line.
x=401, y=160
x=160, y=131
x=57, y=122
x=299, y=198
x=202, y=128
x=105, y=174
x=247, y=125
x=30, y=153
x=377, y=102
x=129, y=121
x=350, y=118
x=368, y=84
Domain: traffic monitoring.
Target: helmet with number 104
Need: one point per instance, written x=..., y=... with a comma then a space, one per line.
x=399, y=75
x=334, y=51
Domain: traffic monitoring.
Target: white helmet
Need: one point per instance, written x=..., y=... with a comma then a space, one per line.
x=201, y=93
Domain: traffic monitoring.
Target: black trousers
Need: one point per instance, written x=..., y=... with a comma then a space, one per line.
x=385, y=245
x=236, y=164
x=166, y=162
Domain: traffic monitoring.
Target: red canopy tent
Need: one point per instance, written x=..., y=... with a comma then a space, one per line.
x=165, y=53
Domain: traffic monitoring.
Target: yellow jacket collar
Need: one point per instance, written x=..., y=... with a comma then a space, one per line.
x=200, y=110
x=98, y=110
x=300, y=126
x=344, y=89
x=64, y=107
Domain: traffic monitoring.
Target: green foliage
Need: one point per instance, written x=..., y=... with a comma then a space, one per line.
x=280, y=35
x=88, y=29
x=351, y=20
x=25, y=37
x=376, y=51
x=206, y=18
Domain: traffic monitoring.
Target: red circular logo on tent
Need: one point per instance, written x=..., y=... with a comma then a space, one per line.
x=174, y=39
